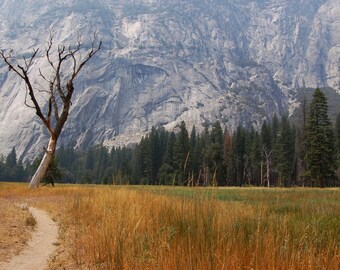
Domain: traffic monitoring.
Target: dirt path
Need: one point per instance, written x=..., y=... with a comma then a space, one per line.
x=40, y=247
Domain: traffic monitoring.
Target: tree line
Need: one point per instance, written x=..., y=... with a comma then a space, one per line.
x=279, y=154
x=12, y=169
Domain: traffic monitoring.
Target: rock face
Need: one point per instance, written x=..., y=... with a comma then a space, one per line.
x=166, y=61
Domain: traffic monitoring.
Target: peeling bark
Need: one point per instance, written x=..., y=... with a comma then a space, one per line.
x=40, y=173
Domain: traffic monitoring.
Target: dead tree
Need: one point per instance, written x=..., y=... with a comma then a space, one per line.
x=267, y=155
x=58, y=92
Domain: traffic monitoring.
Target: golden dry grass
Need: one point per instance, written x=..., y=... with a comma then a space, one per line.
x=14, y=233
x=51, y=200
x=181, y=228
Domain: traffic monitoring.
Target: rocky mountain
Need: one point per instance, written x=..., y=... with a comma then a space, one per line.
x=236, y=61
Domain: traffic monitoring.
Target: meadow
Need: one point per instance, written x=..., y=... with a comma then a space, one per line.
x=149, y=227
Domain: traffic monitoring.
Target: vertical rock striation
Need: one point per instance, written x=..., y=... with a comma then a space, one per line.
x=167, y=61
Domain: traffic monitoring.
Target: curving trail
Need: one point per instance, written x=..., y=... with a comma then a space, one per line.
x=35, y=256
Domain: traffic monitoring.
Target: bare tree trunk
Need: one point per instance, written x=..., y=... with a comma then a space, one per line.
x=267, y=156
x=215, y=178
x=261, y=173
x=199, y=178
x=44, y=164
x=268, y=173
x=57, y=88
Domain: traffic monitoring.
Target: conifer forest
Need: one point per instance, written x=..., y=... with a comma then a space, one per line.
x=280, y=154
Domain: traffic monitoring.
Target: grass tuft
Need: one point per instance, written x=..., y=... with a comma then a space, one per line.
x=31, y=221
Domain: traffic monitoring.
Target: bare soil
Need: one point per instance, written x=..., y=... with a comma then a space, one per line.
x=40, y=247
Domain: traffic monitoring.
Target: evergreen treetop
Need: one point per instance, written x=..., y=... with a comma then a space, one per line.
x=319, y=140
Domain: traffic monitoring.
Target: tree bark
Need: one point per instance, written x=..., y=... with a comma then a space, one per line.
x=39, y=175
x=58, y=87
x=268, y=173
x=267, y=156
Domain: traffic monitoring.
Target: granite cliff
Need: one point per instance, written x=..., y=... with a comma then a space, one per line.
x=165, y=61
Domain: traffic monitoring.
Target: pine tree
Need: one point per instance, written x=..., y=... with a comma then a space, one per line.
x=101, y=163
x=193, y=158
x=337, y=134
x=154, y=155
x=239, y=142
x=249, y=136
x=199, y=160
x=10, y=166
x=229, y=157
x=300, y=145
x=54, y=173
x=337, y=148
x=255, y=158
x=214, y=154
x=266, y=136
x=275, y=129
x=181, y=153
x=285, y=151
x=267, y=151
x=166, y=171
x=137, y=171
x=2, y=169
x=11, y=160
x=319, y=140
x=139, y=175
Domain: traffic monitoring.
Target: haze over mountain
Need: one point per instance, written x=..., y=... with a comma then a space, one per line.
x=162, y=62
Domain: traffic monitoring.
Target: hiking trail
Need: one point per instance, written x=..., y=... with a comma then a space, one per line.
x=41, y=246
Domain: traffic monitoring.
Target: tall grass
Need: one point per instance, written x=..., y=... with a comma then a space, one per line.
x=192, y=228
x=122, y=228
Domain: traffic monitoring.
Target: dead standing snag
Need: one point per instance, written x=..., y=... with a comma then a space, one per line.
x=59, y=92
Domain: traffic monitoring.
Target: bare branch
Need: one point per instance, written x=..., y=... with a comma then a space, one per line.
x=54, y=101
x=32, y=95
x=60, y=89
x=9, y=64
x=61, y=51
x=58, y=94
x=29, y=62
x=43, y=76
x=48, y=51
x=25, y=102
x=26, y=62
x=74, y=63
x=56, y=111
x=49, y=112
x=92, y=52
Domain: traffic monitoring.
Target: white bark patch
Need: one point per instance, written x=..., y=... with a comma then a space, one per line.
x=45, y=162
